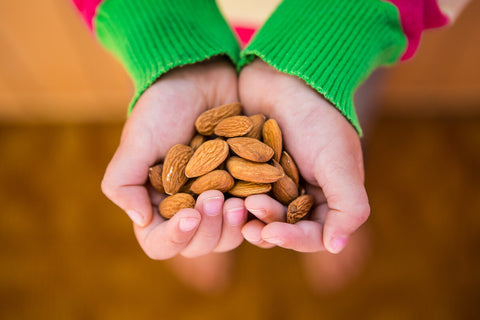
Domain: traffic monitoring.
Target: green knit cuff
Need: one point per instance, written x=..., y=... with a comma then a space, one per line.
x=333, y=45
x=150, y=37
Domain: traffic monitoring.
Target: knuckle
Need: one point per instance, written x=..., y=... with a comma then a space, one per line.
x=153, y=254
x=211, y=237
x=177, y=241
x=228, y=246
x=107, y=188
x=361, y=213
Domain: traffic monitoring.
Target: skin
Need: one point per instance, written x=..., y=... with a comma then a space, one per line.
x=164, y=116
x=327, y=151
x=324, y=145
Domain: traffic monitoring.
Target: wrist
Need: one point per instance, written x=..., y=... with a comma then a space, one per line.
x=264, y=89
x=152, y=37
x=331, y=45
x=193, y=87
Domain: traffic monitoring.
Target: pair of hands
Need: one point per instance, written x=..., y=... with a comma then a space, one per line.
x=325, y=147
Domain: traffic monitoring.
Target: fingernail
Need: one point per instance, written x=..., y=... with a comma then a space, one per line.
x=188, y=224
x=136, y=217
x=235, y=216
x=338, y=243
x=212, y=206
x=259, y=213
x=275, y=241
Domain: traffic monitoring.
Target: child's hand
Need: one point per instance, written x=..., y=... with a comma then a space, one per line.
x=327, y=151
x=163, y=116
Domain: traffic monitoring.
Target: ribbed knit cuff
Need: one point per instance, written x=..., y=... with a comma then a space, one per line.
x=333, y=45
x=150, y=37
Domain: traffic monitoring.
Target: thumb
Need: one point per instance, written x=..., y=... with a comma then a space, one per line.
x=125, y=177
x=342, y=183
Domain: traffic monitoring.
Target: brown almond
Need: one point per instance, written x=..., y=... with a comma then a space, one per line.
x=299, y=207
x=244, y=189
x=155, y=177
x=207, y=157
x=186, y=188
x=172, y=204
x=246, y=170
x=173, y=174
x=234, y=126
x=272, y=136
x=258, y=120
x=285, y=190
x=219, y=180
x=250, y=149
x=206, y=122
x=196, y=141
x=290, y=167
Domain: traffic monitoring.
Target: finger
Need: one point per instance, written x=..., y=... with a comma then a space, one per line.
x=252, y=232
x=316, y=192
x=303, y=236
x=210, y=206
x=265, y=208
x=155, y=196
x=341, y=180
x=124, y=180
x=234, y=217
x=164, y=239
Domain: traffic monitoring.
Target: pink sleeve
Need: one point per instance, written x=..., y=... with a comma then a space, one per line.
x=417, y=16
x=87, y=9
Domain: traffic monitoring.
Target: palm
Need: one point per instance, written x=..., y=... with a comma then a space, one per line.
x=314, y=133
x=166, y=112
x=164, y=116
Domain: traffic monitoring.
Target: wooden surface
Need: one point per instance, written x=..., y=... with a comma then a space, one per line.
x=52, y=69
x=67, y=253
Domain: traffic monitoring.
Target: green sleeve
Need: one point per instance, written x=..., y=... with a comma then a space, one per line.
x=150, y=37
x=333, y=45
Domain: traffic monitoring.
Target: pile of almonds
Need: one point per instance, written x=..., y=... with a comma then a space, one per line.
x=234, y=154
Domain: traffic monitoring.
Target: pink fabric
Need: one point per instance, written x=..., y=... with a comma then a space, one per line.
x=244, y=33
x=416, y=16
x=87, y=9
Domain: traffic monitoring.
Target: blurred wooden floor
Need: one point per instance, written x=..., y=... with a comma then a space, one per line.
x=67, y=253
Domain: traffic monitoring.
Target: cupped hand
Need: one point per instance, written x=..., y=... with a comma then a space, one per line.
x=164, y=116
x=327, y=151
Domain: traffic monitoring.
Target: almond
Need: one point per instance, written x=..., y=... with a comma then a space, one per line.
x=285, y=190
x=289, y=167
x=245, y=170
x=272, y=136
x=234, y=126
x=244, y=189
x=155, y=177
x=206, y=158
x=207, y=121
x=172, y=204
x=299, y=207
x=250, y=149
x=219, y=180
x=187, y=187
x=173, y=174
x=196, y=141
x=258, y=120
